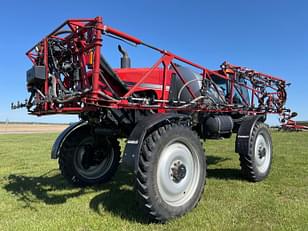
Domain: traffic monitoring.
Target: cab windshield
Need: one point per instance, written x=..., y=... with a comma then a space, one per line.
x=240, y=93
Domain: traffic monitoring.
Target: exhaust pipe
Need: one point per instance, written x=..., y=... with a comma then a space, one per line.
x=125, y=60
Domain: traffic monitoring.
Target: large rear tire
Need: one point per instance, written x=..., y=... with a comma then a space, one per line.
x=87, y=160
x=256, y=159
x=171, y=172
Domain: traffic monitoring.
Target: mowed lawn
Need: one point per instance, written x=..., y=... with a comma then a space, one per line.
x=34, y=196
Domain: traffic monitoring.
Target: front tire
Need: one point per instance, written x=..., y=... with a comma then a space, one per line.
x=171, y=172
x=87, y=160
x=256, y=160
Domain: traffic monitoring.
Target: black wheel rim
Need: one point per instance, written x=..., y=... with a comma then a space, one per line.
x=93, y=159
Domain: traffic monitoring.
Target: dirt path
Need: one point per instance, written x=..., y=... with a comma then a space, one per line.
x=30, y=128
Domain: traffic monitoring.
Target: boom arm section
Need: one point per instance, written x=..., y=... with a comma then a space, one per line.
x=70, y=75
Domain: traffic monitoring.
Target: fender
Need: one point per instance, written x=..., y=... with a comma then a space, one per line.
x=63, y=136
x=135, y=139
x=245, y=130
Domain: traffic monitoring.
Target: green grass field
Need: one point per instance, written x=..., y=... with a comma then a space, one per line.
x=34, y=196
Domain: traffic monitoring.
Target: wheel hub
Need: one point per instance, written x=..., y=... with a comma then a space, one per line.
x=92, y=156
x=92, y=160
x=178, y=171
x=262, y=152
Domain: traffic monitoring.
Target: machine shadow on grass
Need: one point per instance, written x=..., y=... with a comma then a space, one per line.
x=119, y=199
x=221, y=173
x=50, y=188
x=116, y=197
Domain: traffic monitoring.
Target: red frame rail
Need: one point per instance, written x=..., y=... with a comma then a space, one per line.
x=84, y=36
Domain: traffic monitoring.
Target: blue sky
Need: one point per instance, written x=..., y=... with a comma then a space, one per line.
x=269, y=36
